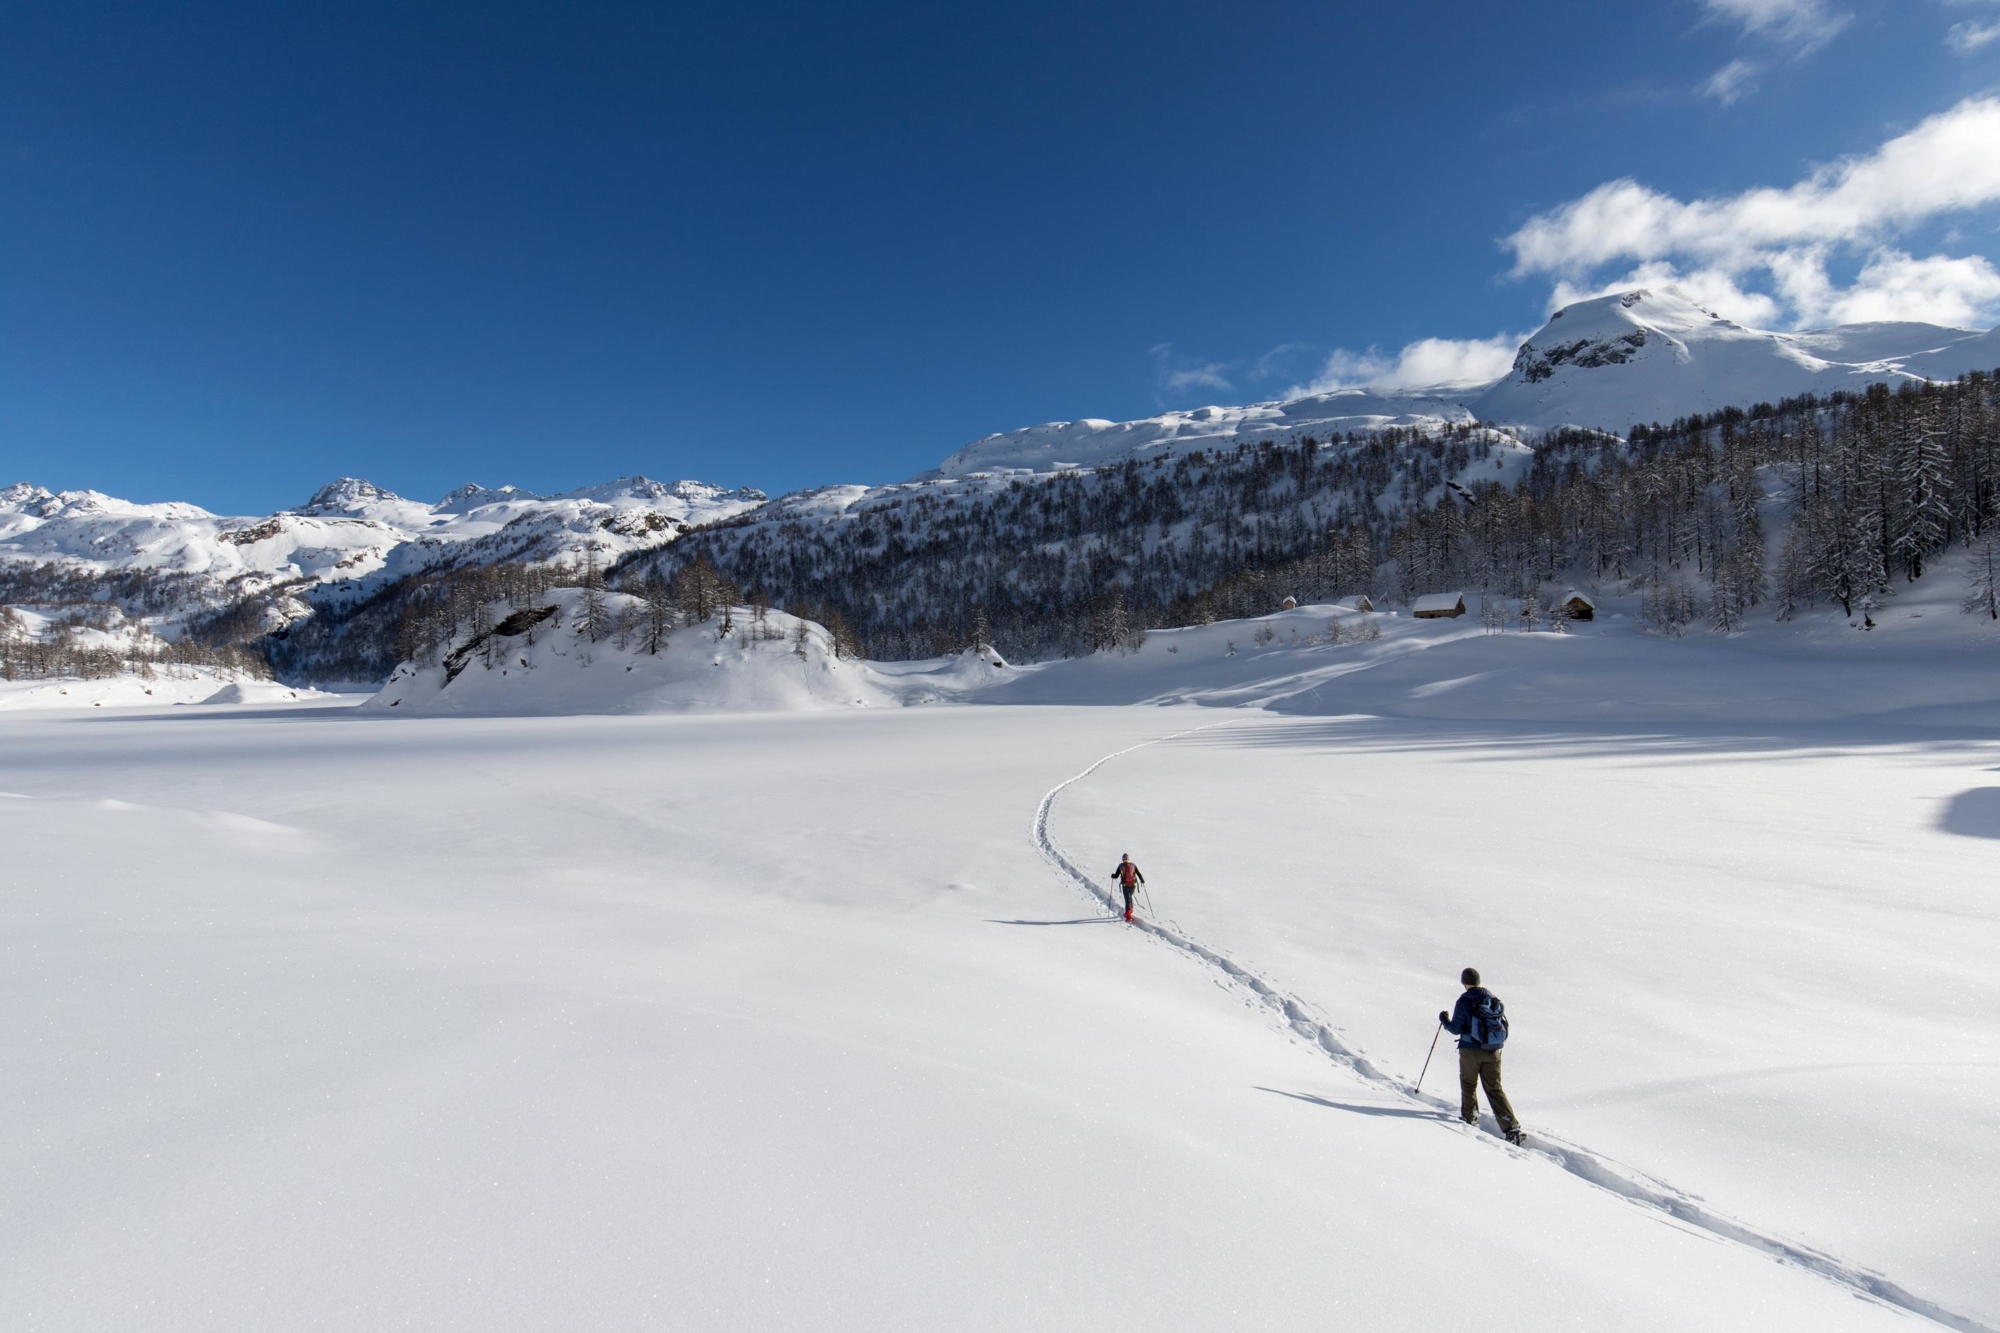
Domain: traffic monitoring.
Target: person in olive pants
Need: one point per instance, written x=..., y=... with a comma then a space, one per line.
x=1477, y=1065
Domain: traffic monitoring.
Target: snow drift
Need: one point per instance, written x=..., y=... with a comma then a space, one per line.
x=179, y=685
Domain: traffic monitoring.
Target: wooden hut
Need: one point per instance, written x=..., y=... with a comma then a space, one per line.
x=1359, y=602
x=1439, y=606
x=1576, y=606
x=1290, y=604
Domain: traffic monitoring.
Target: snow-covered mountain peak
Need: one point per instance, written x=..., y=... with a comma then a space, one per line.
x=644, y=490
x=1642, y=355
x=473, y=496
x=22, y=493
x=1615, y=330
x=1653, y=355
x=25, y=498
x=29, y=501
x=348, y=497
x=354, y=533
x=1092, y=440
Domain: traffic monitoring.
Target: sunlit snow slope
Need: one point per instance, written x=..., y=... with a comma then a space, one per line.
x=1608, y=363
x=547, y=661
x=351, y=530
x=778, y=1022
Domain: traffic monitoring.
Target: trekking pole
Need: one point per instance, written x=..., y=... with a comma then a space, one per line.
x=1149, y=902
x=1427, y=1057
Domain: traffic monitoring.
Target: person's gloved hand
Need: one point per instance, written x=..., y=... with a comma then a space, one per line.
x=1443, y=1018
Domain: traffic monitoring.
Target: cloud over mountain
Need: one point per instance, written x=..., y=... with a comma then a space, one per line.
x=1765, y=255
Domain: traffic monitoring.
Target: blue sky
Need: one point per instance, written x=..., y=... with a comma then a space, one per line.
x=250, y=248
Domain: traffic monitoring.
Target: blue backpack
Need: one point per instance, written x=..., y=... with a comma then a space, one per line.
x=1488, y=1025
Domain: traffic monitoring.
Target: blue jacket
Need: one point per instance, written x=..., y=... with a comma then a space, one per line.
x=1460, y=1022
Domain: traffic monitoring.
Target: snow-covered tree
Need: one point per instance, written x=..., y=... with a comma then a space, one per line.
x=1923, y=479
x=591, y=622
x=1982, y=595
x=1668, y=605
x=658, y=601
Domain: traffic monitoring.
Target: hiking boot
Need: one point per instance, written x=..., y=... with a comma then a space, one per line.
x=1517, y=1135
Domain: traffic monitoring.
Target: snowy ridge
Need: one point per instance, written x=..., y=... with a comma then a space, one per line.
x=1645, y=356
x=1061, y=444
x=1604, y=364
x=1579, y=1162
x=352, y=530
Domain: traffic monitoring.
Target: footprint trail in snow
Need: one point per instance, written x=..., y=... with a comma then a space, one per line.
x=1577, y=1161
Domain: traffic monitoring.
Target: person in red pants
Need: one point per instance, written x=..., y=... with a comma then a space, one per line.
x=1129, y=879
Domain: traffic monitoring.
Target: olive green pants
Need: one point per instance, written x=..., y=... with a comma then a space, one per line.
x=1474, y=1068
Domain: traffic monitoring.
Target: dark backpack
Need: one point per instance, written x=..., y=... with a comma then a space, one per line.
x=1488, y=1025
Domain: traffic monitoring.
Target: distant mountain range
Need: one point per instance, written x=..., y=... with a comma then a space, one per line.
x=1608, y=363
x=354, y=532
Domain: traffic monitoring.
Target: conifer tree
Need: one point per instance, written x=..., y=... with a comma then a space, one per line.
x=1983, y=580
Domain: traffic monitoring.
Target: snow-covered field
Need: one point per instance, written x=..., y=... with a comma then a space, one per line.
x=177, y=685
x=319, y=1017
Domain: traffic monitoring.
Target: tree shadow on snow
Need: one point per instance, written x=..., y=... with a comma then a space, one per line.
x=1973, y=814
x=1363, y=1108
x=1695, y=742
x=201, y=712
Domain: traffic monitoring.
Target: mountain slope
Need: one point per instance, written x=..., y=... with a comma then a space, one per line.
x=1604, y=364
x=1645, y=356
x=1095, y=441
x=352, y=530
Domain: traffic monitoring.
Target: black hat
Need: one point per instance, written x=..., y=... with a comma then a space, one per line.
x=1469, y=977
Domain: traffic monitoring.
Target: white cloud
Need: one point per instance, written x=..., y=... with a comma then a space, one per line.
x=1178, y=374
x=1966, y=38
x=1709, y=246
x=1345, y=370
x=1209, y=376
x=1805, y=24
x=1730, y=84
x=1946, y=163
x=1960, y=293
x=1277, y=362
x=1447, y=360
x=1424, y=362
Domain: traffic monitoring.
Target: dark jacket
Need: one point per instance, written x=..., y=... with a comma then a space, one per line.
x=1119, y=873
x=1460, y=1022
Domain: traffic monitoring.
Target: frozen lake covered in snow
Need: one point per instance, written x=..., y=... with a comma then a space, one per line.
x=322, y=1019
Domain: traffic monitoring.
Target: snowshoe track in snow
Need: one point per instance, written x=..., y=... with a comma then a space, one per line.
x=1580, y=1162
